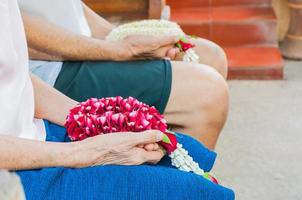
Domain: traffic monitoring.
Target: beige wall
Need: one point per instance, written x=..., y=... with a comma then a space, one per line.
x=282, y=12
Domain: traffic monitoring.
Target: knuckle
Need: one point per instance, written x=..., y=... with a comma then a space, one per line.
x=150, y=135
x=153, y=136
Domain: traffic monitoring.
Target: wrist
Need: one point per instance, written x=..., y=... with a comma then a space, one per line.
x=107, y=50
x=76, y=154
x=64, y=155
x=118, y=51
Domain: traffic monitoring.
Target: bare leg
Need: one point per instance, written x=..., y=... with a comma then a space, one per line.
x=210, y=54
x=198, y=103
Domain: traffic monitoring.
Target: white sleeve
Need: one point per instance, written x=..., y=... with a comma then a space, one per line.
x=7, y=50
x=8, y=53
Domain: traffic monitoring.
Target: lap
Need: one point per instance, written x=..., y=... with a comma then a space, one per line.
x=148, y=81
x=202, y=155
x=123, y=182
x=119, y=182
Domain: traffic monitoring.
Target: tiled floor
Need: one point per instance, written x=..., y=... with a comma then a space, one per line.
x=260, y=149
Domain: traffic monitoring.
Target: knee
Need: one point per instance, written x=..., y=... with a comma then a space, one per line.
x=213, y=55
x=212, y=97
x=204, y=92
x=221, y=61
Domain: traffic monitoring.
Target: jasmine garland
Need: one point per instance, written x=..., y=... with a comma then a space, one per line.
x=156, y=28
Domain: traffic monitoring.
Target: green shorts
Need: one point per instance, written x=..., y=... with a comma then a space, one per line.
x=148, y=81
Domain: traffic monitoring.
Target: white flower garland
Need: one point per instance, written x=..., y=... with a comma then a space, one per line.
x=183, y=161
x=152, y=28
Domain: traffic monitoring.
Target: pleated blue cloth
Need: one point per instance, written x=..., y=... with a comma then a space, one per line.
x=113, y=182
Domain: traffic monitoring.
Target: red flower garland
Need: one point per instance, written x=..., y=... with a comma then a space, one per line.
x=115, y=114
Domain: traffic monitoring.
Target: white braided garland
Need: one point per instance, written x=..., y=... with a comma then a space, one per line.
x=152, y=28
x=183, y=161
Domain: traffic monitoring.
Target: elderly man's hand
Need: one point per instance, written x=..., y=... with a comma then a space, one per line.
x=140, y=47
x=117, y=149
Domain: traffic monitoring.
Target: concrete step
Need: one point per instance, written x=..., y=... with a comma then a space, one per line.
x=204, y=3
x=229, y=25
x=239, y=2
x=261, y=63
x=187, y=3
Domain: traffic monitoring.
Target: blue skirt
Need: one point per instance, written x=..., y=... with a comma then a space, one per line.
x=112, y=182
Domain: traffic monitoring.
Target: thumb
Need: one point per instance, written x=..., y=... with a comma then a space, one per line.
x=147, y=137
x=172, y=53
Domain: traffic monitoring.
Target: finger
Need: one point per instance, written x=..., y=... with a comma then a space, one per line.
x=163, y=52
x=177, y=50
x=171, y=54
x=151, y=147
x=153, y=156
x=168, y=53
x=155, y=147
x=154, y=54
x=166, y=40
x=146, y=137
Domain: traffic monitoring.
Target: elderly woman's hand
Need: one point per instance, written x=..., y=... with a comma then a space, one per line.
x=139, y=47
x=118, y=149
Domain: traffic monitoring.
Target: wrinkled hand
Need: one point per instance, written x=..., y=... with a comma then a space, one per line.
x=140, y=47
x=118, y=149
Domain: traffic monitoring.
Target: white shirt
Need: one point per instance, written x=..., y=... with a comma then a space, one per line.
x=16, y=91
x=68, y=14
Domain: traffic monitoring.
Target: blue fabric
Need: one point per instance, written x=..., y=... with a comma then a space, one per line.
x=113, y=182
x=47, y=71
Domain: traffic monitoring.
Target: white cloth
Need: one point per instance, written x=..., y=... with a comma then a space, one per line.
x=68, y=14
x=16, y=91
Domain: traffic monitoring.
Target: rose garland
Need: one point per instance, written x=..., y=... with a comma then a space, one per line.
x=156, y=28
x=115, y=114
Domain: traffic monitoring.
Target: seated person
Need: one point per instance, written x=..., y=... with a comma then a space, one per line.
x=102, y=167
x=68, y=34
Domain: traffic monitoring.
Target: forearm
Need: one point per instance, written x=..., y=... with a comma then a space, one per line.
x=60, y=43
x=99, y=27
x=50, y=104
x=21, y=154
x=38, y=55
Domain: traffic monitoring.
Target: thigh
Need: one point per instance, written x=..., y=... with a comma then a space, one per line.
x=118, y=183
x=148, y=81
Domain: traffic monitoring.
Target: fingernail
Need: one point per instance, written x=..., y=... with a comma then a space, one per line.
x=159, y=136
